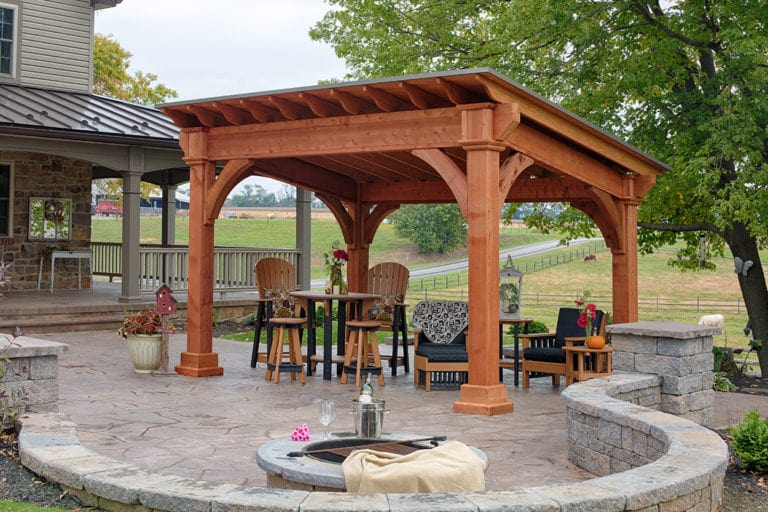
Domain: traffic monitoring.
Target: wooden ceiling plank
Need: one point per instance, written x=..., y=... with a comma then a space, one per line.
x=302, y=174
x=321, y=107
x=260, y=112
x=407, y=192
x=352, y=104
x=233, y=114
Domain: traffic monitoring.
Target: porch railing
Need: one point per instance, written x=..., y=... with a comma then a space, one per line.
x=232, y=266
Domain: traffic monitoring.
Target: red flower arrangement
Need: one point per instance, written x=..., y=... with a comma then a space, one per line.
x=588, y=313
x=337, y=258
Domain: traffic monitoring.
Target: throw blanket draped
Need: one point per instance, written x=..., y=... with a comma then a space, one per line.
x=450, y=467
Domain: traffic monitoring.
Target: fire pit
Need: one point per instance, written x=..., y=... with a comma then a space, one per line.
x=316, y=465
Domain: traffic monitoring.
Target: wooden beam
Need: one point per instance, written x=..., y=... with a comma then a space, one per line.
x=289, y=109
x=396, y=131
x=260, y=112
x=321, y=107
x=233, y=115
x=569, y=127
x=352, y=104
x=457, y=94
x=385, y=101
x=421, y=98
x=207, y=117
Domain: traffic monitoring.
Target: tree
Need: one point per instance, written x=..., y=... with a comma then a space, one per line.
x=111, y=77
x=686, y=81
x=432, y=227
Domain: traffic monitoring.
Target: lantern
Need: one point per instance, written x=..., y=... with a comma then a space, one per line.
x=510, y=289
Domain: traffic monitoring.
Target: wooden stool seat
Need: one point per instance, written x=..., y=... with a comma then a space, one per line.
x=363, y=346
x=287, y=332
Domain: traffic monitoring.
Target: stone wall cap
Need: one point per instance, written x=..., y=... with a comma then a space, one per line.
x=24, y=346
x=679, y=330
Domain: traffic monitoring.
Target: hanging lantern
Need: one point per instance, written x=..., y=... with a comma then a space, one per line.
x=510, y=289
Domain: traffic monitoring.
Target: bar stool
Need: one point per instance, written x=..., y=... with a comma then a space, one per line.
x=287, y=331
x=365, y=350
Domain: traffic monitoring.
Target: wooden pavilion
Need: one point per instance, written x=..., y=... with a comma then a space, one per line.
x=472, y=137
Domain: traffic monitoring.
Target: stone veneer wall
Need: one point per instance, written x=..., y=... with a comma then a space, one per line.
x=681, y=354
x=41, y=175
x=31, y=371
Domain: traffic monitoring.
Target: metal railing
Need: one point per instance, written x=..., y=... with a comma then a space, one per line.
x=232, y=266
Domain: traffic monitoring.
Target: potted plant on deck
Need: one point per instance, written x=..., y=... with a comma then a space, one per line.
x=143, y=334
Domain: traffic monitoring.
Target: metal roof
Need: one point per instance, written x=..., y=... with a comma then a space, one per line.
x=75, y=115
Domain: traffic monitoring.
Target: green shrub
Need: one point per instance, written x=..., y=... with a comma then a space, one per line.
x=533, y=327
x=750, y=442
x=722, y=383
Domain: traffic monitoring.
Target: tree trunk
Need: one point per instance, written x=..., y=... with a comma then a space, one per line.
x=753, y=287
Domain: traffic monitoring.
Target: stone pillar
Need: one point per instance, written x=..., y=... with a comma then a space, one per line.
x=679, y=353
x=29, y=372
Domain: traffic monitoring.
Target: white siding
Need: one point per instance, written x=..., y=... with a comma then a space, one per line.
x=56, y=44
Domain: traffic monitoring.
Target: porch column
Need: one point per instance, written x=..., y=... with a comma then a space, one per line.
x=624, y=265
x=168, y=236
x=304, y=237
x=483, y=394
x=199, y=360
x=131, y=224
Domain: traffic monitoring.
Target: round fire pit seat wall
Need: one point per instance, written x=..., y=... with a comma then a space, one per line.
x=687, y=477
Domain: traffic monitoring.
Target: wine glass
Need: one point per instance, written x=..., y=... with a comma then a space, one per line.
x=327, y=414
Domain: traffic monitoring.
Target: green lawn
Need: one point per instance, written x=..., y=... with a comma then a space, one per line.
x=12, y=506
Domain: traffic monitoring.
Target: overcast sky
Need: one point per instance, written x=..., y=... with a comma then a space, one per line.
x=206, y=49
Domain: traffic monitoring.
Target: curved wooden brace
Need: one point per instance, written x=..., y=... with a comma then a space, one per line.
x=452, y=174
x=509, y=170
x=609, y=219
x=340, y=211
x=375, y=217
x=233, y=173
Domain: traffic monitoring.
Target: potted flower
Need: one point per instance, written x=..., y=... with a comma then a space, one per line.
x=334, y=261
x=143, y=333
x=586, y=321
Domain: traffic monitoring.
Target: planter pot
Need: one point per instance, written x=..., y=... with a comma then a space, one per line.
x=145, y=351
x=596, y=342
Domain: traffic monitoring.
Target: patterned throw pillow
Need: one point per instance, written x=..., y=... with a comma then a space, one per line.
x=283, y=304
x=383, y=309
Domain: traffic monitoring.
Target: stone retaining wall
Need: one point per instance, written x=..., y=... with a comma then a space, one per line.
x=688, y=475
x=31, y=368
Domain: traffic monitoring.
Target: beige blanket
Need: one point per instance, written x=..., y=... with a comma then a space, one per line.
x=450, y=467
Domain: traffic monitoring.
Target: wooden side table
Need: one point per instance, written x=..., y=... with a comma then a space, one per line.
x=600, y=363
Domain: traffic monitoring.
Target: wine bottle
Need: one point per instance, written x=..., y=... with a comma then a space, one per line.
x=366, y=391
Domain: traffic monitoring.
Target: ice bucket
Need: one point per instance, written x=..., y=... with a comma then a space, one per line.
x=369, y=418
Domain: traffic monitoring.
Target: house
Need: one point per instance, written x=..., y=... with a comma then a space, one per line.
x=56, y=137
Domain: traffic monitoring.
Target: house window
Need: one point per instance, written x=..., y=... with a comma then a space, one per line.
x=6, y=201
x=7, y=39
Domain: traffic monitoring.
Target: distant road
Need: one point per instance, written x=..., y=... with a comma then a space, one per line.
x=462, y=264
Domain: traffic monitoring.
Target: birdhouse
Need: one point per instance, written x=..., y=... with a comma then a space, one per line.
x=510, y=289
x=166, y=302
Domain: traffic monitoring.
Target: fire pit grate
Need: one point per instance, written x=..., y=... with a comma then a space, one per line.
x=337, y=450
